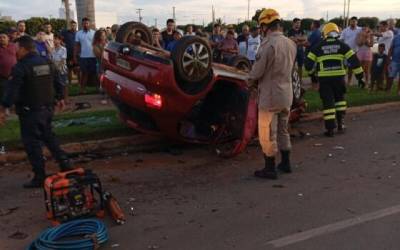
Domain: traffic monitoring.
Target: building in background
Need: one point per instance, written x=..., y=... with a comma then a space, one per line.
x=5, y=18
x=85, y=8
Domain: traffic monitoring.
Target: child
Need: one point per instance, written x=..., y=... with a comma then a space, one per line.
x=59, y=57
x=379, y=66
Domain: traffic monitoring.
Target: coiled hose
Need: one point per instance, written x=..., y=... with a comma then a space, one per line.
x=85, y=234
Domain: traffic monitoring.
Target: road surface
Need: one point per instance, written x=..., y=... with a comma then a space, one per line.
x=344, y=194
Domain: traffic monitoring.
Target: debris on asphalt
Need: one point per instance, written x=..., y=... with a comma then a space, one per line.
x=308, y=134
x=330, y=155
x=214, y=210
x=91, y=121
x=131, y=199
x=375, y=153
x=318, y=145
x=300, y=194
x=132, y=211
x=338, y=148
x=114, y=245
x=18, y=235
x=278, y=186
x=351, y=211
x=343, y=161
x=153, y=247
x=4, y=212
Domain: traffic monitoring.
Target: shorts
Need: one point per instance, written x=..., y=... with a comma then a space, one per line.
x=394, y=69
x=300, y=58
x=364, y=55
x=88, y=65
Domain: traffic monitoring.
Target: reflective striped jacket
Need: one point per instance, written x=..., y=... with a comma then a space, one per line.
x=331, y=57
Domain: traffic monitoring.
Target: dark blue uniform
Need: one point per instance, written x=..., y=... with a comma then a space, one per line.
x=33, y=87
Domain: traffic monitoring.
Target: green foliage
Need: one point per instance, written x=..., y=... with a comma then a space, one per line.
x=398, y=23
x=371, y=22
x=251, y=24
x=5, y=25
x=34, y=24
x=338, y=20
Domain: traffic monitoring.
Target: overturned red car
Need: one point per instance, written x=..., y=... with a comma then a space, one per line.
x=182, y=95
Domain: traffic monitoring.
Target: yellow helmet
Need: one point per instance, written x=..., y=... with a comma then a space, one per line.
x=330, y=29
x=267, y=16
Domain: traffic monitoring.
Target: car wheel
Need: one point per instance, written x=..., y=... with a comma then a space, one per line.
x=133, y=32
x=192, y=59
x=240, y=62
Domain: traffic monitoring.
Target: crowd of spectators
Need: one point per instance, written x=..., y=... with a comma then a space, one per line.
x=79, y=52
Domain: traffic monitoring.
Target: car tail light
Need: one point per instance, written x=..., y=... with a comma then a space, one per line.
x=153, y=100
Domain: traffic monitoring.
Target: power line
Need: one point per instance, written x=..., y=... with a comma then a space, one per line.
x=139, y=11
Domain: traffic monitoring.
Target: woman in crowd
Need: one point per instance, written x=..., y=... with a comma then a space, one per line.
x=365, y=41
x=99, y=43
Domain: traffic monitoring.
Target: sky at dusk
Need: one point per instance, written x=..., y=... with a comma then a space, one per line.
x=197, y=11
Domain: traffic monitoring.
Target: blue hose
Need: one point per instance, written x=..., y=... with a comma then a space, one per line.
x=86, y=234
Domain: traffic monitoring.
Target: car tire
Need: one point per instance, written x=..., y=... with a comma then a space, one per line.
x=129, y=28
x=192, y=59
x=240, y=62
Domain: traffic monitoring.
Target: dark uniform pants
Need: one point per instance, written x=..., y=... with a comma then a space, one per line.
x=36, y=131
x=332, y=91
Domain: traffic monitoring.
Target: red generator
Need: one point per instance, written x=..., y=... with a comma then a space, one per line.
x=73, y=194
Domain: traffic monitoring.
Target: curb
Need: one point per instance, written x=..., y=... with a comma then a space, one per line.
x=140, y=142
x=146, y=142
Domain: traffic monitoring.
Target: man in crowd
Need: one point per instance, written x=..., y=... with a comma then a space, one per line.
x=21, y=28
x=12, y=34
x=42, y=46
x=229, y=46
x=189, y=31
x=392, y=26
x=272, y=72
x=253, y=42
x=31, y=88
x=394, y=68
x=216, y=36
x=313, y=39
x=8, y=58
x=84, y=49
x=349, y=36
x=385, y=35
x=242, y=40
x=296, y=34
x=168, y=34
x=157, y=41
x=49, y=36
x=177, y=36
x=69, y=41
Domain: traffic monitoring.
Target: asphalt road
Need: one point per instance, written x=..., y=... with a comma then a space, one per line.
x=343, y=194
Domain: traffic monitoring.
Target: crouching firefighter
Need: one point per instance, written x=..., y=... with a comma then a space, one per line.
x=272, y=74
x=327, y=60
x=33, y=86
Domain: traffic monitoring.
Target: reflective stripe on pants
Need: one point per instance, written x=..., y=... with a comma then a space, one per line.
x=273, y=131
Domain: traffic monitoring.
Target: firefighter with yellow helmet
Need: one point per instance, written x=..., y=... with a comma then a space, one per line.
x=272, y=74
x=328, y=60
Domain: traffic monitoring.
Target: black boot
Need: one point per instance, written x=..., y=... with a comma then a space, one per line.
x=284, y=166
x=36, y=182
x=329, y=133
x=269, y=172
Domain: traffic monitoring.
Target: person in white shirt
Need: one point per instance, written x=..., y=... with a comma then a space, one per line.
x=253, y=42
x=59, y=57
x=49, y=36
x=349, y=36
x=385, y=35
x=189, y=31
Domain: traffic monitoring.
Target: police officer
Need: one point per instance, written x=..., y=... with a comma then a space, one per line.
x=33, y=86
x=272, y=74
x=328, y=60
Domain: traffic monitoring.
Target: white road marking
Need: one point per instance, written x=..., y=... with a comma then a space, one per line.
x=334, y=227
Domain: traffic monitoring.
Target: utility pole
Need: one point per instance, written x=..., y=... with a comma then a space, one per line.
x=67, y=12
x=248, y=10
x=348, y=12
x=139, y=11
x=213, y=14
x=344, y=14
x=155, y=22
x=173, y=13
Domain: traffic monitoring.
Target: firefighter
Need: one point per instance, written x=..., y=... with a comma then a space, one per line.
x=272, y=74
x=33, y=86
x=328, y=61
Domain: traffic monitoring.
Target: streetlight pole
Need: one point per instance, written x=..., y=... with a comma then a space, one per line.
x=248, y=10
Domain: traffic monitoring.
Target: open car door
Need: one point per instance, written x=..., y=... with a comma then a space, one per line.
x=248, y=128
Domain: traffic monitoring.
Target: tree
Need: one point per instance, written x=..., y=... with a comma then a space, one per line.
x=371, y=22
x=34, y=24
x=398, y=23
x=338, y=21
x=6, y=25
x=306, y=23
